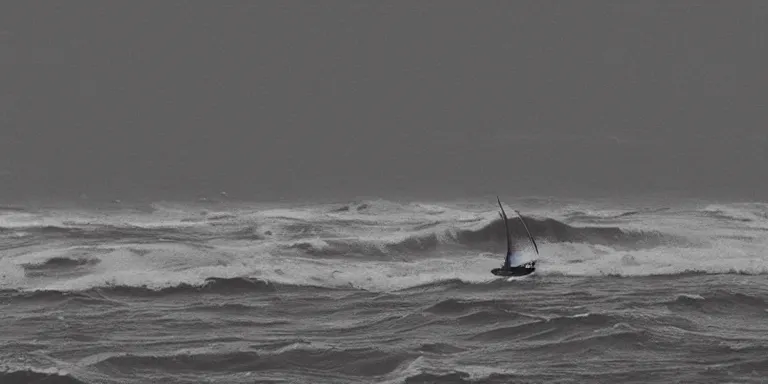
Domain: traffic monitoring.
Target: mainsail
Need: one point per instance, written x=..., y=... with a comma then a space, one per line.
x=513, y=256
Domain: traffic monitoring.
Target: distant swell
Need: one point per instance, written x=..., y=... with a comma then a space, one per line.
x=615, y=217
x=490, y=237
x=555, y=231
x=321, y=237
x=106, y=232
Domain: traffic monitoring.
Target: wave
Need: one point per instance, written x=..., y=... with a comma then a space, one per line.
x=744, y=212
x=468, y=313
x=155, y=269
x=222, y=286
x=555, y=231
x=212, y=285
x=357, y=362
x=488, y=237
x=610, y=216
x=11, y=208
x=415, y=278
x=96, y=232
x=425, y=370
x=720, y=302
x=401, y=229
x=449, y=377
x=58, y=297
x=382, y=246
x=557, y=328
x=440, y=348
x=30, y=375
x=61, y=262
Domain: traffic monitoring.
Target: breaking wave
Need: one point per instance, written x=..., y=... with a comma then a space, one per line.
x=29, y=375
x=372, y=245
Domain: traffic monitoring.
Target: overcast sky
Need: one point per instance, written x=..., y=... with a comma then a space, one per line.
x=297, y=99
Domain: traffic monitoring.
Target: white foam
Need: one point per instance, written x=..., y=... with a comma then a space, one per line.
x=40, y=254
x=164, y=264
x=721, y=256
x=440, y=366
x=161, y=267
x=11, y=274
x=26, y=220
x=6, y=367
x=691, y=296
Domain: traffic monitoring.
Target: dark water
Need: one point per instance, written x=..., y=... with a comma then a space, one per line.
x=380, y=292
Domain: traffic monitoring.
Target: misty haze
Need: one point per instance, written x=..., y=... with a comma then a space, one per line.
x=275, y=100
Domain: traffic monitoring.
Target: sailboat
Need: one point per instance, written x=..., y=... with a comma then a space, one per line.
x=508, y=269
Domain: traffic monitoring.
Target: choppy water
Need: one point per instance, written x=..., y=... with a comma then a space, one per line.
x=383, y=292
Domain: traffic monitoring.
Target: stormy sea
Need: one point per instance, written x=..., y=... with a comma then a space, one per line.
x=378, y=291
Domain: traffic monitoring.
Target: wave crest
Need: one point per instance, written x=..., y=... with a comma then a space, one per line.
x=30, y=375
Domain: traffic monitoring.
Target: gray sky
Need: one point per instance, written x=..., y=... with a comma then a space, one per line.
x=297, y=99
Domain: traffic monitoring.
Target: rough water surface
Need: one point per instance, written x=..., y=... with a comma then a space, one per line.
x=383, y=292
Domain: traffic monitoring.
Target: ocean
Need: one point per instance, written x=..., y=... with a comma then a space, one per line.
x=378, y=291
